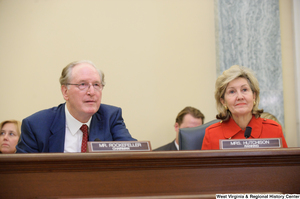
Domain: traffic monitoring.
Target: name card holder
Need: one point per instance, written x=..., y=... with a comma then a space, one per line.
x=116, y=146
x=251, y=143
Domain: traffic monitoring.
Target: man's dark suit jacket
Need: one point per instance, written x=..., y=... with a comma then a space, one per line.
x=168, y=147
x=44, y=131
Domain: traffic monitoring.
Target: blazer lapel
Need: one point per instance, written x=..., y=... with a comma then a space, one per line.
x=58, y=128
x=96, y=128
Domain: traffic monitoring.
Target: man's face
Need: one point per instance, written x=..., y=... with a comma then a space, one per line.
x=189, y=121
x=82, y=104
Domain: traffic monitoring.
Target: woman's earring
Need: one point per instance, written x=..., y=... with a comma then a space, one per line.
x=254, y=103
x=225, y=107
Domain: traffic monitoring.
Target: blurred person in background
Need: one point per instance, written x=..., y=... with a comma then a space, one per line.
x=10, y=134
x=186, y=118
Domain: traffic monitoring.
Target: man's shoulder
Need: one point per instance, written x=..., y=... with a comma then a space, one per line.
x=167, y=147
x=108, y=109
x=50, y=112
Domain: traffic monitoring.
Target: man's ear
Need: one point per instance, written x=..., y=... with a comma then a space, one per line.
x=64, y=91
x=176, y=126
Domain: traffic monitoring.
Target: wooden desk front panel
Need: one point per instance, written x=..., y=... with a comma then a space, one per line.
x=149, y=173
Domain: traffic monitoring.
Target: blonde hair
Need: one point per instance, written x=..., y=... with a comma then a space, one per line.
x=15, y=122
x=223, y=80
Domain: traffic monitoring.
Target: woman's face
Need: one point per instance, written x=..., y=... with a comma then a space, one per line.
x=8, y=138
x=239, y=98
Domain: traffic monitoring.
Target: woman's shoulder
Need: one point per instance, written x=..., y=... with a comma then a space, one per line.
x=215, y=126
x=269, y=122
x=270, y=126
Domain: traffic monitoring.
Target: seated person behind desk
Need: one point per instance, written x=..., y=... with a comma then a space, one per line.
x=10, y=133
x=58, y=129
x=237, y=99
x=187, y=118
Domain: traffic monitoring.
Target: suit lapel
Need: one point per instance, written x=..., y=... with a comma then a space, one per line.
x=96, y=127
x=173, y=146
x=58, y=128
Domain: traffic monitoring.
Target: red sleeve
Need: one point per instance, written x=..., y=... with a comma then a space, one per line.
x=206, y=145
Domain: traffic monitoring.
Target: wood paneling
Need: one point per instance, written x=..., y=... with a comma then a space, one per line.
x=174, y=174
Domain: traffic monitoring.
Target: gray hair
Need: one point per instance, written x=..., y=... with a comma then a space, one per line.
x=66, y=72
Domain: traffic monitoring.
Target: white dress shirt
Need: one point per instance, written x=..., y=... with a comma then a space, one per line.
x=73, y=135
x=177, y=146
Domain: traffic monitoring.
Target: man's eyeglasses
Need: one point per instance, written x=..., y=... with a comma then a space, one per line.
x=85, y=86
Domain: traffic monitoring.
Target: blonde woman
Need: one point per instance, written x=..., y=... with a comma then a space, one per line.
x=237, y=99
x=10, y=133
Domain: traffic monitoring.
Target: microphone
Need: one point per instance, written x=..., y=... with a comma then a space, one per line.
x=248, y=132
x=97, y=140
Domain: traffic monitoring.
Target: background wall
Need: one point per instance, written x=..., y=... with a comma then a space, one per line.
x=288, y=72
x=158, y=57
x=249, y=35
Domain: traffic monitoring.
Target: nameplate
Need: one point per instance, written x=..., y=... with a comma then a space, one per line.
x=114, y=146
x=251, y=143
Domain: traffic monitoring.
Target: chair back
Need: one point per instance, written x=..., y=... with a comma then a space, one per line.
x=192, y=138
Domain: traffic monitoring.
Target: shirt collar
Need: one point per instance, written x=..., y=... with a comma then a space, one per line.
x=231, y=128
x=72, y=124
x=177, y=146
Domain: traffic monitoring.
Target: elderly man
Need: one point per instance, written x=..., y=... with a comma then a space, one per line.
x=68, y=127
x=186, y=118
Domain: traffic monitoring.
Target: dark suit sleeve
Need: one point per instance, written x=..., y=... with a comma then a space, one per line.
x=118, y=128
x=43, y=131
x=27, y=142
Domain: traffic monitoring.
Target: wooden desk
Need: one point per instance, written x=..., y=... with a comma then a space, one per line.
x=174, y=174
